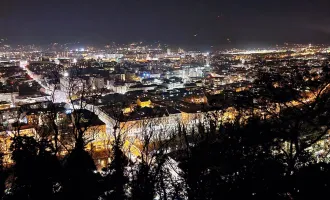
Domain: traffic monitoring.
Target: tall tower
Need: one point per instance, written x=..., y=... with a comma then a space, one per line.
x=168, y=52
x=180, y=50
x=207, y=62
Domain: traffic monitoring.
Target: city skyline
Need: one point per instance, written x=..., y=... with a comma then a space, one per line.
x=164, y=100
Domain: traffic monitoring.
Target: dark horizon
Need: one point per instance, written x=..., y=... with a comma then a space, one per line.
x=183, y=23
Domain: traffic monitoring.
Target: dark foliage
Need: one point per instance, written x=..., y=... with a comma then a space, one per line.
x=116, y=179
x=36, y=169
x=80, y=178
x=3, y=176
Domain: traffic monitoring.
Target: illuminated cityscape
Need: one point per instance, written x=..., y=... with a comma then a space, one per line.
x=172, y=100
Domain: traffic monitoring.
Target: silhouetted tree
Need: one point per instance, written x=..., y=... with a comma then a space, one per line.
x=116, y=179
x=312, y=181
x=235, y=162
x=36, y=169
x=149, y=168
x=3, y=176
x=80, y=180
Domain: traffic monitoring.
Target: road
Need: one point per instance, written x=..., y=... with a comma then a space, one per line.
x=35, y=78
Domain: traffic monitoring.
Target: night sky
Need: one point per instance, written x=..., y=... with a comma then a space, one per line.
x=176, y=22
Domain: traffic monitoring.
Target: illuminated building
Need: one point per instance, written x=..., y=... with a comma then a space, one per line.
x=117, y=87
x=132, y=77
x=196, y=99
x=117, y=76
x=169, y=52
x=96, y=82
x=9, y=97
x=142, y=87
x=144, y=102
x=4, y=105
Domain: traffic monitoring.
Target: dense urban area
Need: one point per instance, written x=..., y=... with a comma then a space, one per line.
x=142, y=121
